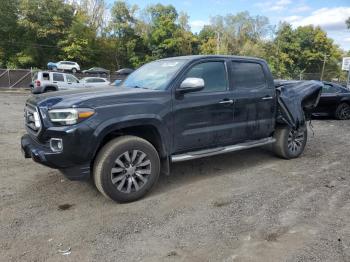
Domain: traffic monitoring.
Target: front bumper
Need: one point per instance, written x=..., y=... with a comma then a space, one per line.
x=41, y=153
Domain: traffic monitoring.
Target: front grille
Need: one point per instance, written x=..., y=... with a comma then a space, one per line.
x=32, y=119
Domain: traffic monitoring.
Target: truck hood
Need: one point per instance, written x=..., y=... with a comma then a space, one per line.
x=90, y=97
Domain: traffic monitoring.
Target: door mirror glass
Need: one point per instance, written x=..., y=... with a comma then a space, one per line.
x=191, y=84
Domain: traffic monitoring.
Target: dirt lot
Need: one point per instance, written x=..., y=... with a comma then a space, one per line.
x=245, y=206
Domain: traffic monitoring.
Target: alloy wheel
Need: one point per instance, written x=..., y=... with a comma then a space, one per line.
x=295, y=140
x=131, y=170
x=345, y=113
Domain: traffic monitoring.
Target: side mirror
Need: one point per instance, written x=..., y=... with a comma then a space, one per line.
x=191, y=84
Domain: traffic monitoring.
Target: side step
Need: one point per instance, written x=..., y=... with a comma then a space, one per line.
x=221, y=150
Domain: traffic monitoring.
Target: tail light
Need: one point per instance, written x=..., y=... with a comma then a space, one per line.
x=37, y=83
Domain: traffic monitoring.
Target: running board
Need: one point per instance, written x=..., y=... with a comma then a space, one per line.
x=221, y=150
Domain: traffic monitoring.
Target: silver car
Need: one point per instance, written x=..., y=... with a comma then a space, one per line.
x=94, y=82
x=45, y=81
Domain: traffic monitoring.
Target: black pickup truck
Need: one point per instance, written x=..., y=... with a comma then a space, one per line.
x=169, y=110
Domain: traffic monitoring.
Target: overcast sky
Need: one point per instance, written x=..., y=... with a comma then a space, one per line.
x=329, y=14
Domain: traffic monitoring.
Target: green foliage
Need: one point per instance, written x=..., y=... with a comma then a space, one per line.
x=34, y=32
x=303, y=51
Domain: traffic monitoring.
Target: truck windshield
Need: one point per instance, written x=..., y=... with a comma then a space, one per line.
x=154, y=75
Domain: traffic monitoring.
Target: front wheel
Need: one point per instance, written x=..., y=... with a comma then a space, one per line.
x=289, y=143
x=126, y=168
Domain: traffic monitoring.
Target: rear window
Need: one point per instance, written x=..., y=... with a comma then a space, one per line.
x=247, y=75
x=46, y=76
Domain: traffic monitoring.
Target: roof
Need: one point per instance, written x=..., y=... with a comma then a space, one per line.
x=198, y=57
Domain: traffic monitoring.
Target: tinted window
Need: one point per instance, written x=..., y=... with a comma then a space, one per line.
x=327, y=88
x=213, y=74
x=58, y=77
x=247, y=75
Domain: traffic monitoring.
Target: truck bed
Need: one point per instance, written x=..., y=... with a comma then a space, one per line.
x=295, y=101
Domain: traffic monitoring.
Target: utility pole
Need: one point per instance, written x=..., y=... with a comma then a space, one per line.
x=217, y=42
x=324, y=64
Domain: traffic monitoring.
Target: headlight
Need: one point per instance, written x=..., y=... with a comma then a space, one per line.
x=70, y=116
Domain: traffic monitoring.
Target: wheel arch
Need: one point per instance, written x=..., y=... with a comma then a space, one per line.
x=148, y=129
x=344, y=100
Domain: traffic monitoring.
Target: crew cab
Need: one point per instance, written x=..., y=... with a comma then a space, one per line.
x=169, y=110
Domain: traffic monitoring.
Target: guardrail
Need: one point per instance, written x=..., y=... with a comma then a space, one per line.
x=21, y=78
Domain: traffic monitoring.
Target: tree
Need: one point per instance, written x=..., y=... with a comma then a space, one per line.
x=303, y=51
x=129, y=49
x=348, y=23
x=43, y=23
x=9, y=31
x=239, y=34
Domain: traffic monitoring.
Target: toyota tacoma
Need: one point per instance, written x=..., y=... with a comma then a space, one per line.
x=169, y=110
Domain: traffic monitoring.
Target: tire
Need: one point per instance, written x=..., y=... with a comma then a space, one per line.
x=74, y=70
x=118, y=181
x=289, y=143
x=343, y=111
x=49, y=89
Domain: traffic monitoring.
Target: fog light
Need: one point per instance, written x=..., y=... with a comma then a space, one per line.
x=56, y=144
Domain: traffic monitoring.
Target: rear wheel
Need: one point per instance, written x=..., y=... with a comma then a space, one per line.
x=343, y=111
x=74, y=70
x=290, y=143
x=126, y=168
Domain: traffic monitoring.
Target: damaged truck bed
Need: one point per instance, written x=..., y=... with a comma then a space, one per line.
x=295, y=100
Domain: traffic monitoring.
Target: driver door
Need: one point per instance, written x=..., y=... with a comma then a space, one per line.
x=203, y=119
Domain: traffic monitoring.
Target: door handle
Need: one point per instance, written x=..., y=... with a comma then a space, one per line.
x=226, y=101
x=267, y=98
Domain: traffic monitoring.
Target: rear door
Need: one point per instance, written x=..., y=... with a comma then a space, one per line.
x=329, y=99
x=254, y=100
x=59, y=80
x=203, y=119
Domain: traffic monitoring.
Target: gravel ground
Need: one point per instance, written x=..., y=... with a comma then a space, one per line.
x=244, y=206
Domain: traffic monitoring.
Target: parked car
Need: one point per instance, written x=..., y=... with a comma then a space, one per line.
x=45, y=81
x=94, y=82
x=334, y=101
x=51, y=66
x=96, y=71
x=67, y=66
x=170, y=110
x=117, y=82
x=125, y=71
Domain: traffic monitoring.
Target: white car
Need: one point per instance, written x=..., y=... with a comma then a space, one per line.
x=67, y=66
x=94, y=82
x=46, y=81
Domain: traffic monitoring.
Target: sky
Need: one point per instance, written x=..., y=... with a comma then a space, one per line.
x=329, y=14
